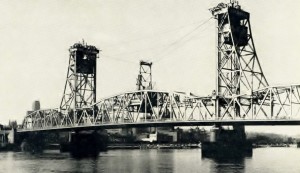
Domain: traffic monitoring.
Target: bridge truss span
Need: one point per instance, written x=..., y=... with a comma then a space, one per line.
x=131, y=107
x=279, y=102
x=162, y=108
x=269, y=103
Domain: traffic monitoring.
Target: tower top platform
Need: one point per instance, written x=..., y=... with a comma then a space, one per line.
x=223, y=7
x=84, y=47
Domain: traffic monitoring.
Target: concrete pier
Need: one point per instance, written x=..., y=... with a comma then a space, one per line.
x=32, y=142
x=87, y=143
x=223, y=142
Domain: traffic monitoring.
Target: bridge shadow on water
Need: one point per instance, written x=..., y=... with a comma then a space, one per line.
x=136, y=161
x=133, y=161
x=227, y=162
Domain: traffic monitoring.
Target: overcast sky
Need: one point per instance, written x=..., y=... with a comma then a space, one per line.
x=176, y=35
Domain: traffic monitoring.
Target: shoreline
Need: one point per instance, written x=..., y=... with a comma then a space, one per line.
x=153, y=146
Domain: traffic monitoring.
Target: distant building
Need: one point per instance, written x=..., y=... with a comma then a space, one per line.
x=121, y=131
x=36, y=105
x=146, y=134
x=159, y=135
x=6, y=136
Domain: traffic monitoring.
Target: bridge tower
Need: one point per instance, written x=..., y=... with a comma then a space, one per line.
x=80, y=92
x=239, y=73
x=80, y=86
x=238, y=68
x=144, y=80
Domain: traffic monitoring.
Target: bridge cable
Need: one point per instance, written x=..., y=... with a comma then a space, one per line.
x=180, y=39
x=169, y=46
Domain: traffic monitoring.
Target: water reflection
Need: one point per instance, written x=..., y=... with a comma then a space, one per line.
x=137, y=161
x=228, y=163
x=267, y=160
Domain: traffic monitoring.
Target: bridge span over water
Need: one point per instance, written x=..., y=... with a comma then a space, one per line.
x=242, y=95
x=144, y=108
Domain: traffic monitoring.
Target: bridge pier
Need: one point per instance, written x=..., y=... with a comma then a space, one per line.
x=224, y=142
x=87, y=143
x=32, y=142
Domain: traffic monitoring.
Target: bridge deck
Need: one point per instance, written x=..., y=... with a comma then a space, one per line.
x=168, y=123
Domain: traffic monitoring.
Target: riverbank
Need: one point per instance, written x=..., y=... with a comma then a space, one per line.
x=134, y=146
x=273, y=145
x=152, y=146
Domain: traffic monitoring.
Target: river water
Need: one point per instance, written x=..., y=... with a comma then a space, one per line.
x=267, y=160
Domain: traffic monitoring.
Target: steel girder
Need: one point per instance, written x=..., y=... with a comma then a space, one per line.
x=269, y=103
x=130, y=107
x=144, y=106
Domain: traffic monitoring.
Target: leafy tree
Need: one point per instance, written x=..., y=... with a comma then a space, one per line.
x=13, y=124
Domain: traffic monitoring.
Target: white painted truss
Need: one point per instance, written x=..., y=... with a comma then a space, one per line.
x=144, y=106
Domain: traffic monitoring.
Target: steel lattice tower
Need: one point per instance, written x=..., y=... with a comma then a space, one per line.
x=238, y=68
x=144, y=80
x=80, y=86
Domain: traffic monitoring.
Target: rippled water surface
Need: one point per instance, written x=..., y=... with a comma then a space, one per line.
x=269, y=160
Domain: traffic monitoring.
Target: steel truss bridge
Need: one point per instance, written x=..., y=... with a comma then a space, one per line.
x=268, y=106
x=242, y=96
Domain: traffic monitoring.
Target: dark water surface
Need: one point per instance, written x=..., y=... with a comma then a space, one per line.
x=269, y=160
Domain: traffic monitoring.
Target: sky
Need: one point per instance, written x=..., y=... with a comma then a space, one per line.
x=178, y=36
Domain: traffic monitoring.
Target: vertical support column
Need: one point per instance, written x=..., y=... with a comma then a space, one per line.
x=291, y=103
x=218, y=80
x=271, y=102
